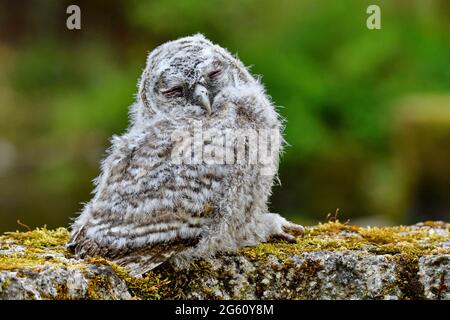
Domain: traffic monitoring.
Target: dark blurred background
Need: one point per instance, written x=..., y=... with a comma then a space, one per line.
x=368, y=111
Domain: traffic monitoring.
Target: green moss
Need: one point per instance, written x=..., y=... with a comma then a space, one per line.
x=61, y=292
x=97, y=284
x=38, y=238
x=6, y=283
x=166, y=283
x=35, y=244
x=151, y=286
x=408, y=278
x=336, y=236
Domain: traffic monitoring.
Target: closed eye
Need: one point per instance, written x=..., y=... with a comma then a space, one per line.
x=173, y=92
x=214, y=74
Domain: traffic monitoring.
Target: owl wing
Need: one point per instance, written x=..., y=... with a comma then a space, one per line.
x=145, y=209
x=137, y=260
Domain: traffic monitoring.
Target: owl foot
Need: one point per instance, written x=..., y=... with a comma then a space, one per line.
x=289, y=232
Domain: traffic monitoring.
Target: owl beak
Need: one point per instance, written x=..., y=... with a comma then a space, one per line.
x=202, y=96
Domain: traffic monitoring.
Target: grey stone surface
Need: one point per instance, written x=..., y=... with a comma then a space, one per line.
x=62, y=283
x=434, y=272
x=312, y=275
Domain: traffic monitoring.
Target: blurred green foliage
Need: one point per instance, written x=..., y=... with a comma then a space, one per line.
x=64, y=93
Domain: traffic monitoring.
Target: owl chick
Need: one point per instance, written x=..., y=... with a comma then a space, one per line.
x=151, y=205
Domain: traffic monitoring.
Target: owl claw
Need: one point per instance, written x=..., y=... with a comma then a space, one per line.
x=295, y=229
x=289, y=233
x=284, y=236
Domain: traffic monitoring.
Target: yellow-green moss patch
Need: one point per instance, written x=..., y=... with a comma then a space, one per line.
x=31, y=250
x=335, y=236
x=40, y=237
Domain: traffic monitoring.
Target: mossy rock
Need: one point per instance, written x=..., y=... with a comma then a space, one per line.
x=331, y=261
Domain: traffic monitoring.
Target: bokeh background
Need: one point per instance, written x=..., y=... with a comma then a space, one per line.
x=368, y=111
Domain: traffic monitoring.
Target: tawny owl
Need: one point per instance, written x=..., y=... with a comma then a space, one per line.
x=192, y=175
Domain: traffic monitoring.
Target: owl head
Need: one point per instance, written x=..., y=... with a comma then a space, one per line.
x=184, y=77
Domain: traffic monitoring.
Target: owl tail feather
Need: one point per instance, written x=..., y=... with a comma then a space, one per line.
x=138, y=264
x=139, y=261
